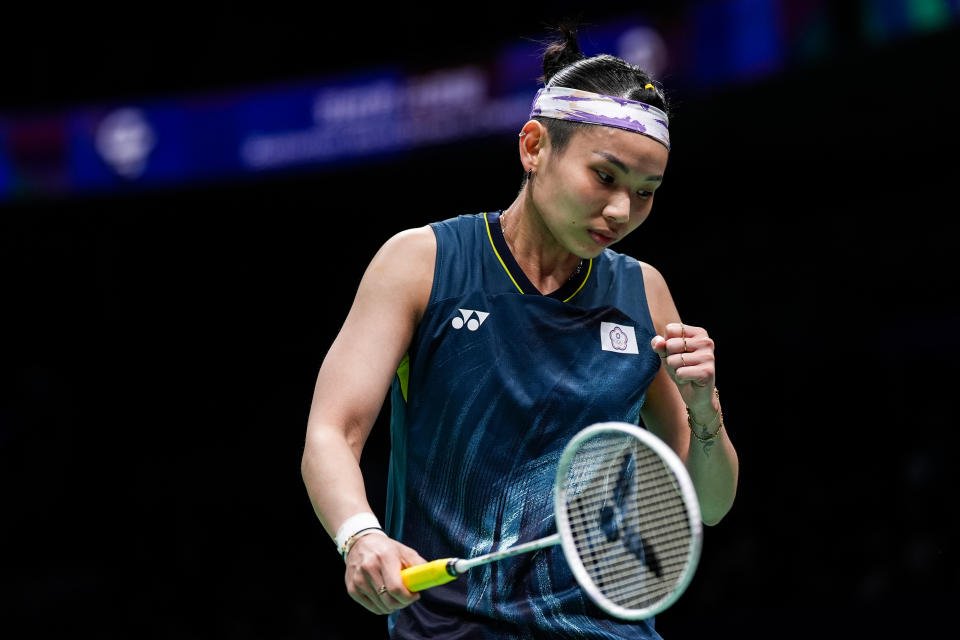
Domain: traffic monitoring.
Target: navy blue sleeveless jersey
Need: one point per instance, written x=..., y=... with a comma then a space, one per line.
x=498, y=378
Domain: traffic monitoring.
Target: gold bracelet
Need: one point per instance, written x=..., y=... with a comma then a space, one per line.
x=345, y=551
x=693, y=424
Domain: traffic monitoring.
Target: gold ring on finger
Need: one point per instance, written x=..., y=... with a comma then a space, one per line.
x=681, y=331
x=682, y=361
x=685, y=350
x=382, y=590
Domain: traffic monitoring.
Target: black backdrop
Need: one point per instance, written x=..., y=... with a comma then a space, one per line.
x=161, y=350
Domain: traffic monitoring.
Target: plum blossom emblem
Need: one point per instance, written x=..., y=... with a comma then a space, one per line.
x=618, y=339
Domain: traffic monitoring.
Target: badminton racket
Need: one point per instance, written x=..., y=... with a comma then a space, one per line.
x=627, y=519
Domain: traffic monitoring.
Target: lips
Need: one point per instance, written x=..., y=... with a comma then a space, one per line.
x=603, y=238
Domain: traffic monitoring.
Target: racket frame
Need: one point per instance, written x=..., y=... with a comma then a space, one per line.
x=569, y=547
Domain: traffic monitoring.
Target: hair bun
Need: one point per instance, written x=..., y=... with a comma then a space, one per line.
x=561, y=53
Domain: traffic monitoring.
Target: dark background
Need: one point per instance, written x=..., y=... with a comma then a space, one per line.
x=161, y=347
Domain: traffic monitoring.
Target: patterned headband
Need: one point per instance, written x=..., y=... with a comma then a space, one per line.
x=594, y=108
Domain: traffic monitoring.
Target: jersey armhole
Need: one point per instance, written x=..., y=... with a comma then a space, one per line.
x=646, y=299
x=437, y=267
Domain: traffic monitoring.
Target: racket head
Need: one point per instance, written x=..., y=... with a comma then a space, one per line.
x=628, y=519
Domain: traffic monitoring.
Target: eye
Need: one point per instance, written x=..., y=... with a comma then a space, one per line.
x=605, y=178
x=644, y=194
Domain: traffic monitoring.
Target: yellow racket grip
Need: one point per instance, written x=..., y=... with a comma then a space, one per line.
x=431, y=574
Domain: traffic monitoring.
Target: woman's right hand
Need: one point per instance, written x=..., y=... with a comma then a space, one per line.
x=374, y=562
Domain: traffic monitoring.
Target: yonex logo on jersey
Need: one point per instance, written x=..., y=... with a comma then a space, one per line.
x=618, y=338
x=471, y=318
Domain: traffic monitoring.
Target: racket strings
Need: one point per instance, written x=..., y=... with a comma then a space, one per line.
x=629, y=524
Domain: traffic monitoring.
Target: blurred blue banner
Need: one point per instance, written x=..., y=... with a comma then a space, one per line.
x=369, y=114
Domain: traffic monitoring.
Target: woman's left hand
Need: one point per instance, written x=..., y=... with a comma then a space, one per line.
x=687, y=353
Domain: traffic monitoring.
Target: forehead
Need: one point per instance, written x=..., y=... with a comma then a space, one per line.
x=635, y=150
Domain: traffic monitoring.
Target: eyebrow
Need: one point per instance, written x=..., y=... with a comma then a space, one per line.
x=617, y=162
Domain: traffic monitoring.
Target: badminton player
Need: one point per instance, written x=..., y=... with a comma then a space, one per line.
x=508, y=332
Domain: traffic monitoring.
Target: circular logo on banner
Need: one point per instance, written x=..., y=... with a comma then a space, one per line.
x=125, y=140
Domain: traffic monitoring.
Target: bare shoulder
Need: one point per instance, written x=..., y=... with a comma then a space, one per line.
x=662, y=307
x=403, y=268
x=653, y=280
x=412, y=247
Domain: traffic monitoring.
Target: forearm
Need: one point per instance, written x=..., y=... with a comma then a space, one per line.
x=331, y=472
x=714, y=468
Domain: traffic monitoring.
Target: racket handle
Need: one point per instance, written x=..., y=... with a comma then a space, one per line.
x=431, y=574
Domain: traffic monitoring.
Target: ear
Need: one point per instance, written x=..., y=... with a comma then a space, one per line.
x=533, y=141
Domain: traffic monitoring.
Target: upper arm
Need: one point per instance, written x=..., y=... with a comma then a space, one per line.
x=663, y=411
x=359, y=367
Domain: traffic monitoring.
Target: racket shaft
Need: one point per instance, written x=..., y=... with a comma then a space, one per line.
x=437, y=572
x=526, y=547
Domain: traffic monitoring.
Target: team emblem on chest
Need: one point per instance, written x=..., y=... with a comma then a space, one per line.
x=618, y=338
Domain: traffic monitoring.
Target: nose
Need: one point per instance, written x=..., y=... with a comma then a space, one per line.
x=617, y=209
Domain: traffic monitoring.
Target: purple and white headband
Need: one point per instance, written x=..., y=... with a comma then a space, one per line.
x=576, y=105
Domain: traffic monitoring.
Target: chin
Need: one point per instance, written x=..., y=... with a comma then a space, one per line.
x=589, y=253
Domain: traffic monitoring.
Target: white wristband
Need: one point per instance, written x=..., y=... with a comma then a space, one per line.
x=352, y=525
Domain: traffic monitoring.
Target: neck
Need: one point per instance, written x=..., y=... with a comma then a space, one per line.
x=546, y=263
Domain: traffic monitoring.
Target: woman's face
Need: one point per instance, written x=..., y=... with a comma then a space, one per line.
x=599, y=188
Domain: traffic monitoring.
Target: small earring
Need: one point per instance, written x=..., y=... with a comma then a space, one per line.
x=529, y=175
x=523, y=133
